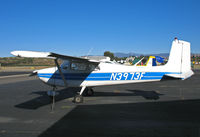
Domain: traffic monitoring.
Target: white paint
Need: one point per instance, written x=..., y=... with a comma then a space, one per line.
x=179, y=62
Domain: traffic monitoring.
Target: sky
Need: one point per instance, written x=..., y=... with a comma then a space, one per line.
x=82, y=27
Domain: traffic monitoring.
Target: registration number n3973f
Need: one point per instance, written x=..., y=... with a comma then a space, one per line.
x=127, y=75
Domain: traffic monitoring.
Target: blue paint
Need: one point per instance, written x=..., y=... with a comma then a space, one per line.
x=116, y=76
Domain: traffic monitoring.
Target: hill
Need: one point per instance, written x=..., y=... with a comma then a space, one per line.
x=121, y=55
x=16, y=61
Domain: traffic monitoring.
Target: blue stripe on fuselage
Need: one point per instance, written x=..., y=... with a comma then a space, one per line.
x=115, y=76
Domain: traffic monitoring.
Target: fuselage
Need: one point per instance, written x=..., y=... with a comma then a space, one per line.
x=102, y=74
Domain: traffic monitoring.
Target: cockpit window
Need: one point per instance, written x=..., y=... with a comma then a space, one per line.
x=65, y=65
x=91, y=67
x=78, y=66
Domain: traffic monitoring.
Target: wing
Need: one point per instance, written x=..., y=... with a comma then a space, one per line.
x=51, y=55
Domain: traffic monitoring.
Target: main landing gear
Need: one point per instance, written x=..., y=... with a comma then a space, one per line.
x=77, y=99
x=87, y=91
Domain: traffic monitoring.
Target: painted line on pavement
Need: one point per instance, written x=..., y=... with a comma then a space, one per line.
x=12, y=76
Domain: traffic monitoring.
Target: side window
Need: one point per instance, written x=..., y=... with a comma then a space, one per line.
x=78, y=66
x=65, y=65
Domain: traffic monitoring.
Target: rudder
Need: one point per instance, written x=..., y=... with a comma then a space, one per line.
x=180, y=59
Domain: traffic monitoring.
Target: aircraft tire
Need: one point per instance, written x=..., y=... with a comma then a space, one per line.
x=90, y=92
x=78, y=99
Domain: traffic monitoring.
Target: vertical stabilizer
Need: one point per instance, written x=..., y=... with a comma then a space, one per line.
x=180, y=59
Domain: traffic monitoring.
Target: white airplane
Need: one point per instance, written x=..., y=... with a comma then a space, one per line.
x=86, y=73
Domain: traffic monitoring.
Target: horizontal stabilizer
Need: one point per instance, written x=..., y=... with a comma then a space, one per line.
x=182, y=76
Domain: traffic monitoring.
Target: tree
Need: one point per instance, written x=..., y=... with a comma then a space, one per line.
x=109, y=54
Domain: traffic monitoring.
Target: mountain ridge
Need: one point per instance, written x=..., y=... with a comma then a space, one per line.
x=121, y=55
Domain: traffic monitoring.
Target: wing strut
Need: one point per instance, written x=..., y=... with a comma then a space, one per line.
x=61, y=73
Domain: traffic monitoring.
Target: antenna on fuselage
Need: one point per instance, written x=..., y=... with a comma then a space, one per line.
x=89, y=52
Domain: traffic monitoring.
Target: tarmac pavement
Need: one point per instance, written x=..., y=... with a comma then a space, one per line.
x=159, y=109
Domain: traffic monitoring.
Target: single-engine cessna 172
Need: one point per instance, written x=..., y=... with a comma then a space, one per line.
x=86, y=73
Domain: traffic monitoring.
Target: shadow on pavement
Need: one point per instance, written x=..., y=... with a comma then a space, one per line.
x=146, y=94
x=44, y=99
x=170, y=118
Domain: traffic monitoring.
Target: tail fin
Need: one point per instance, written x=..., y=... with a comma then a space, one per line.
x=180, y=60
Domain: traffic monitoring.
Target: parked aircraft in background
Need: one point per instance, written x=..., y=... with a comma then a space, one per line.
x=87, y=73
